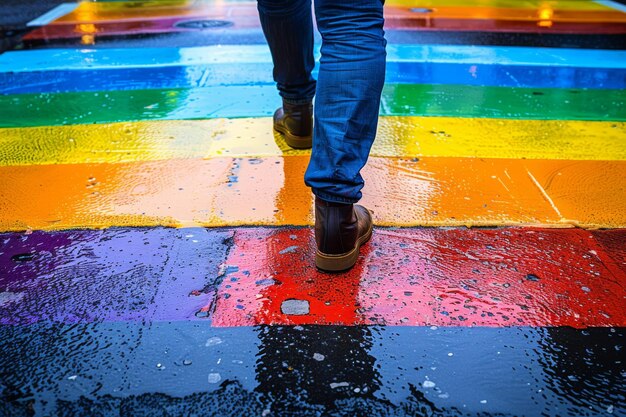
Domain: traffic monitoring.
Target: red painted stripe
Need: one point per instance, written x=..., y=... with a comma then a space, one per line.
x=417, y=277
x=613, y=242
x=167, y=25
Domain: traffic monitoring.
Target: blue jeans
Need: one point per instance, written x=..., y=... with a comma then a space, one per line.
x=350, y=81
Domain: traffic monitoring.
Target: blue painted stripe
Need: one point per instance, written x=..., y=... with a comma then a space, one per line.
x=261, y=74
x=612, y=4
x=486, y=371
x=89, y=59
x=59, y=11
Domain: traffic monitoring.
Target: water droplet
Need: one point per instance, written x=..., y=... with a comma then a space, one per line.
x=23, y=257
x=214, y=341
x=428, y=384
x=214, y=378
x=290, y=249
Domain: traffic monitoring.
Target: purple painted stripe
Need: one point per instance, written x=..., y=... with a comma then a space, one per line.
x=108, y=275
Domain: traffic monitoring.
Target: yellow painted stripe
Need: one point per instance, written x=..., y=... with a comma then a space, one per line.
x=270, y=191
x=398, y=136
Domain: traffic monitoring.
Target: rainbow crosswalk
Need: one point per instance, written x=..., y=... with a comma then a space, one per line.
x=156, y=240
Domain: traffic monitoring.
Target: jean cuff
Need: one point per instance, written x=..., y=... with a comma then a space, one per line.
x=334, y=198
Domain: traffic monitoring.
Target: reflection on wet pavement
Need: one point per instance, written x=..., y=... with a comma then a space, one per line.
x=132, y=338
x=112, y=368
x=155, y=240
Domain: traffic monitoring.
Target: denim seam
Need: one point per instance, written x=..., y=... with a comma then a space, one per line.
x=334, y=198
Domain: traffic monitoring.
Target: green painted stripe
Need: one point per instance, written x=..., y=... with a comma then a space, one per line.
x=51, y=109
x=504, y=102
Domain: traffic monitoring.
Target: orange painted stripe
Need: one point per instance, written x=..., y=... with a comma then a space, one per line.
x=92, y=12
x=270, y=191
x=579, y=191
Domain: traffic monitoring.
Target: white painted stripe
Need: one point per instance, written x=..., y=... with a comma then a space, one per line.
x=612, y=4
x=52, y=15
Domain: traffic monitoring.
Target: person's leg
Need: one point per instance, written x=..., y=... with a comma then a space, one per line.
x=352, y=73
x=288, y=29
x=350, y=81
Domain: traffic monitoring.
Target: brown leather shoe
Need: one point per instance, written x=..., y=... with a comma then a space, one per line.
x=340, y=230
x=295, y=122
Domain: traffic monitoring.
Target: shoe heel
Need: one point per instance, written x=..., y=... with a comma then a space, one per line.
x=298, y=142
x=344, y=261
x=336, y=263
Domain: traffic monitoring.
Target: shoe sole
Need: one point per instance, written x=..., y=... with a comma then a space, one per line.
x=343, y=261
x=296, y=142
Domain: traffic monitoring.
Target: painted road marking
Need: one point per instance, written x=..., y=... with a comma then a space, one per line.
x=402, y=192
x=261, y=74
x=54, y=14
x=612, y=4
x=421, y=277
x=124, y=11
x=128, y=20
x=536, y=26
x=106, y=29
x=49, y=109
x=523, y=4
x=92, y=12
x=114, y=58
x=405, y=277
x=119, y=293
x=543, y=13
x=505, y=367
x=254, y=137
x=136, y=274
x=578, y=202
